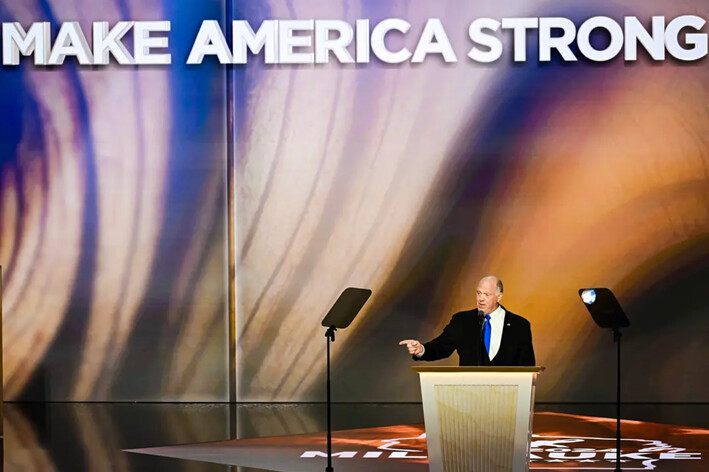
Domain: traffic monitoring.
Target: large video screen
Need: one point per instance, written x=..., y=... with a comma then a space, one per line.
x=428, y=144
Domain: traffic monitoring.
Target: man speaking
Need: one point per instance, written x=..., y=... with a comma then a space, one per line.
x=489, y=335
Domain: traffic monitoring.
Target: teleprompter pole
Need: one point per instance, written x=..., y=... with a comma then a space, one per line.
x=616, y=337
x=342, y=313
x=607, y=313
x=330, y=335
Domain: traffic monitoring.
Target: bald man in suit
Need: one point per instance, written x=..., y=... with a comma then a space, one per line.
x=489, y=335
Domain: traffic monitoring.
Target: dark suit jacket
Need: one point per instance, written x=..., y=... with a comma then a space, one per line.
x=463, y=335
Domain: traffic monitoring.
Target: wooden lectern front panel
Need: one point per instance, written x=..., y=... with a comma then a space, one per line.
x=478, y=420
x=465, y=416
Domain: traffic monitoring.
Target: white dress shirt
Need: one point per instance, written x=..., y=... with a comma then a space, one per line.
x=497, y=322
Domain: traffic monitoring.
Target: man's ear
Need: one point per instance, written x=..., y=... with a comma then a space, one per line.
x=499, y=297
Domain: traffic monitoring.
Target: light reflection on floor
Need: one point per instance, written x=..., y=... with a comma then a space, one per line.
x=92, y=436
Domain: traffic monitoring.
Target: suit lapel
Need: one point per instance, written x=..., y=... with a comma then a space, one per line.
x=474, y=334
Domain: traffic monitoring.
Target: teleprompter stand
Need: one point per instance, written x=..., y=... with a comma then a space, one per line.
x=607, y=313
x=349, y=303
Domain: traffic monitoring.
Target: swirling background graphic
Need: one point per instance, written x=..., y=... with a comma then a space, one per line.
x=120, y=187
x=112, y=222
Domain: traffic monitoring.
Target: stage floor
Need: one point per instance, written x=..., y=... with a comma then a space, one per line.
x=94, y=437
x=561, y=442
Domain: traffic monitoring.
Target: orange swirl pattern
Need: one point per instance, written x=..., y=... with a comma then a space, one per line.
x=417, y=181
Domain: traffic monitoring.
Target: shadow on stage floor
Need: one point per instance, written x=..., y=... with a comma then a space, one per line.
x=94, y=436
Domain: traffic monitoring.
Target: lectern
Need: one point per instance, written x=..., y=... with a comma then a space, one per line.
x=478, y=418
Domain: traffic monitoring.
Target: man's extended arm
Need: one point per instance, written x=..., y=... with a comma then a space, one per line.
x=439, y=348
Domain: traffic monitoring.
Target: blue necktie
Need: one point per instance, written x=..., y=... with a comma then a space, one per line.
x=487, y=333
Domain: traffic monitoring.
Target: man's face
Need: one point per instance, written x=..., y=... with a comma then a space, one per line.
x=487, y=296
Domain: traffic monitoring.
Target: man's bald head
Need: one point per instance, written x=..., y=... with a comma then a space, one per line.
x=495, y=280
x=489, y=293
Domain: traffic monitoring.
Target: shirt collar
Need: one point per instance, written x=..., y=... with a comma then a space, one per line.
x=497, y=314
